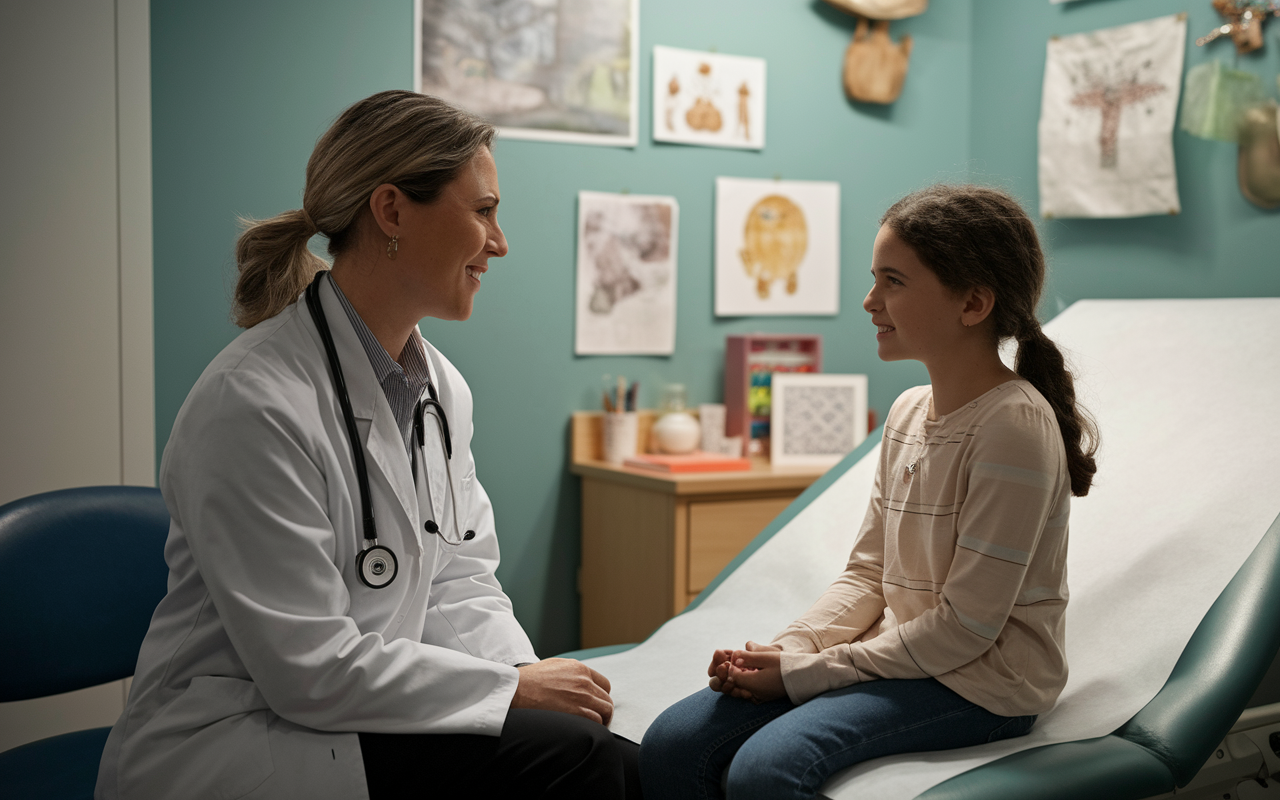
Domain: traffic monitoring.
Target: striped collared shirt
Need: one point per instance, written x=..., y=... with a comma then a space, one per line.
x=403, y=386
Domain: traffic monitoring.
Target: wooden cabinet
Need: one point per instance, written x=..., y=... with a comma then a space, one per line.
x=651, y=541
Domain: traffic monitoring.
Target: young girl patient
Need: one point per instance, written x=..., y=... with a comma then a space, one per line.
x=946, y=627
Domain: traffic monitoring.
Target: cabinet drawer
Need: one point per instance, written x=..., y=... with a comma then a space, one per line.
x=719, y=530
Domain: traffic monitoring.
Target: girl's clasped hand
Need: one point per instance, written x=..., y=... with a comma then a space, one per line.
x=754, y=673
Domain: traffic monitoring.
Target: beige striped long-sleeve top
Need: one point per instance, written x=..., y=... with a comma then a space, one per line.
x=960, y=569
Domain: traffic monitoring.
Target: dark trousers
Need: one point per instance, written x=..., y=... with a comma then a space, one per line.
x=540, y=754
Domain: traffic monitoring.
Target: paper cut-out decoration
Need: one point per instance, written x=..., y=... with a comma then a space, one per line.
x=777, y=247
x=558, y=71
x=874, y=67
x=626, y=294
x=1106, y=121
x=882, y=9
x=1259, y=162
x=1243, y=24
x=708, y=98
x=1215, y=98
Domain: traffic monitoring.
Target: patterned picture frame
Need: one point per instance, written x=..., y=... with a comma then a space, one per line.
x=816, y=419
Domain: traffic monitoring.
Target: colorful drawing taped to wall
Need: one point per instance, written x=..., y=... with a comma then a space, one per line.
x=673, y=92
x=696, y=94
x=626, y=274
x=1106, y=121
x=703, y=115
x=777, y=247
x=1111, y=98
x=775, y=238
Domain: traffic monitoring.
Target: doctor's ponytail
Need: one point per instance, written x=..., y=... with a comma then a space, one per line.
x=975, y=236
x=412, y=141
x=275, y=265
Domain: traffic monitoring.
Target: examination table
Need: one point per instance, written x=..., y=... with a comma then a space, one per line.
x=1174, y=568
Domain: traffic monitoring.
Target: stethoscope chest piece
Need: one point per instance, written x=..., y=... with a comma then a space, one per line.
x=376, y=566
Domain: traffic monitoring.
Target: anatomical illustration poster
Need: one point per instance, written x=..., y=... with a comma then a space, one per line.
x=708, y=98
x=1106, y=121
x=554, y=70
x=626, y=294
x=777, y=247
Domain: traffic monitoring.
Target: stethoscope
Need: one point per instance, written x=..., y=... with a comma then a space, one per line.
x=377, y=565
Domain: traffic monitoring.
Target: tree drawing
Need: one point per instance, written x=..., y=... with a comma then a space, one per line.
x=1111, y=99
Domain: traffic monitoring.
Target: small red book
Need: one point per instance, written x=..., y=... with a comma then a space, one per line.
x=692, y=462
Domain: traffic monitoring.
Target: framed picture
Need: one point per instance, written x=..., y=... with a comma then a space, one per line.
x=708, y=98
x=537, y=69
x=816, y=420
x=626, y=287
x=777, y=247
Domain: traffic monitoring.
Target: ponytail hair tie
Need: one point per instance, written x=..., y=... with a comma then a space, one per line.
x=307, y=219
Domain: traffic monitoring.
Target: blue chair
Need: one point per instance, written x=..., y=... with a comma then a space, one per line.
x=81, y=572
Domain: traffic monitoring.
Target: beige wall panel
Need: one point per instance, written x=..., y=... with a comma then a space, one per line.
x=59, y=275
x=137, y=347
x=75, y=276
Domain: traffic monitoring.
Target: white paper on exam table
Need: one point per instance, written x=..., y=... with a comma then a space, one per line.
x=1184, y=393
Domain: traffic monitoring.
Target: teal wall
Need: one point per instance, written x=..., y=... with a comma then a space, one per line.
x=1219, y=246
x=241, y=90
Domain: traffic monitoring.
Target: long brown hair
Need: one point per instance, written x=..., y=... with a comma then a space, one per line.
x=415, y=142
x=973, y=236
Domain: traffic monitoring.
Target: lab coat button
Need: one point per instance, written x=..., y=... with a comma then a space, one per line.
x=430, y=526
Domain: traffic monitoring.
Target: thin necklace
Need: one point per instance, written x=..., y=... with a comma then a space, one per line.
x=915, y=464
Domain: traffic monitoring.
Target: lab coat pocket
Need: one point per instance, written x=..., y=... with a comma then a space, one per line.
x=210, y=742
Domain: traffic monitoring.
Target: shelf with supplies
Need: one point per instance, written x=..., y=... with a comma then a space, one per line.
x=651, y=541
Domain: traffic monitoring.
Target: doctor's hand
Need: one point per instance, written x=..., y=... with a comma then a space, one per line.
x=720, y=674
x=562, y=684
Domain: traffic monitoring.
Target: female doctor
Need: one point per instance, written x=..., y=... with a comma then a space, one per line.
x=333, y=627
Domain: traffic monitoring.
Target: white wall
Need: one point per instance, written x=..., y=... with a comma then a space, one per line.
x=77, y=407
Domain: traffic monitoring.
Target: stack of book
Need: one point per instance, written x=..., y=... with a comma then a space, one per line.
x=696, y=461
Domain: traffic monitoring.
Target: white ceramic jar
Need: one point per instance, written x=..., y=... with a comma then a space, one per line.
x=676, y=431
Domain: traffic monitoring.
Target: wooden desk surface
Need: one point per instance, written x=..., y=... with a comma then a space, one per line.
x=762, y=477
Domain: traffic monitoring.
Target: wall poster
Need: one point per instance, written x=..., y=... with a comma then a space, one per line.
x=1106, y=121
x=552, y=70
x=777, y=247
x=626, y=291
x=708, y=98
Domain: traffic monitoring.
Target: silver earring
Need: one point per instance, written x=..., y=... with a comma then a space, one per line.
x=393, y=247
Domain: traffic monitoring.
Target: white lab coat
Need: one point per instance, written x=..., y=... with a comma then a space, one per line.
x=267, y=655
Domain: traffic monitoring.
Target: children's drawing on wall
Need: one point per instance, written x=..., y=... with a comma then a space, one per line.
x=777, y=247
x=555, y=70
x=774, y=241
x=708, y=98
x=626, y=293
x=1106, y=121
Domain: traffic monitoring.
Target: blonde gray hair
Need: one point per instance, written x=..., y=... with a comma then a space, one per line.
x=412, y=141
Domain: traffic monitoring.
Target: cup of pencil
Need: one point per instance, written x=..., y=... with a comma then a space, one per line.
x=619, y=430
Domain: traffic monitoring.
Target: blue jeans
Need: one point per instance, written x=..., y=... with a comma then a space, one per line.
x=778, y=750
